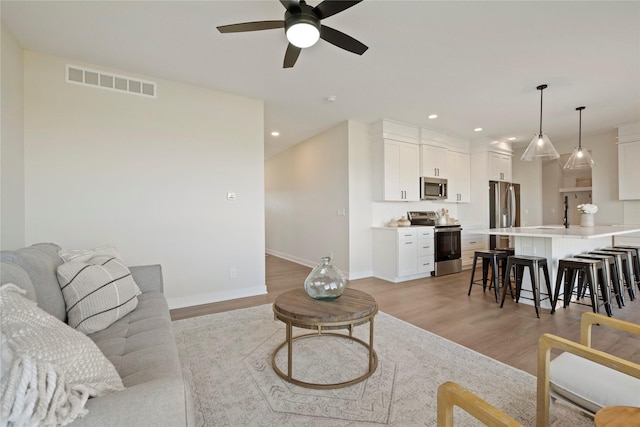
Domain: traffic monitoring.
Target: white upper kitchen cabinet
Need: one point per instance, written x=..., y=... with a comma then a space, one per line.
x=628, y=155
x=400, y=171
x=396, y=162
x=628, y=171
x=459, y=177
x=433, y=161
x=499, y=167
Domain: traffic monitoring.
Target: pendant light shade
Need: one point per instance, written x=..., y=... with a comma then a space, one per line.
x=580, y=158
x=540, y=147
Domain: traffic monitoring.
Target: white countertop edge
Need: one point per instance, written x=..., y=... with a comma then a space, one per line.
x=385, y=227
x=573, y=232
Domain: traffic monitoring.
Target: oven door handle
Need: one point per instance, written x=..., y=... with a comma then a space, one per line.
x=447, y=230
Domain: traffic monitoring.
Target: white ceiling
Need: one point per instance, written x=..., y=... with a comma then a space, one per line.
x=475, y=64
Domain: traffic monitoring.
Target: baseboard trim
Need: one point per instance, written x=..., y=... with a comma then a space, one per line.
x=207, y=298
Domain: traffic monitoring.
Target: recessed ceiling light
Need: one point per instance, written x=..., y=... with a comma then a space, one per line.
x=512, y=138
x=477, y=129
x=433, y=116
x=275, y=133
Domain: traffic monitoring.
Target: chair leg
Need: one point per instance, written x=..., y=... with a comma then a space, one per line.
x=559, y=283
x=545, y=271
x=495, y=276
x=473, y=272
x=535, y=277
x=590, y=280
x=485, y=273
x=506, y=283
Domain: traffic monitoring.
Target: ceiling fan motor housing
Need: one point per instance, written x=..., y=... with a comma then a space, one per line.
x=303, y=15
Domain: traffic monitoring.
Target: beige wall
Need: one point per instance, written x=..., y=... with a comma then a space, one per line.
x=150, y=176
x=604, y=175
x=12, y=209
x=306, y=186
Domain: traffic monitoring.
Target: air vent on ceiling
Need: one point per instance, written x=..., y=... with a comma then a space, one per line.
x=102, y=80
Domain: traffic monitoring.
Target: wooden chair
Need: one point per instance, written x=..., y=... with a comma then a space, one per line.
x=587, y=378
x=451, y=394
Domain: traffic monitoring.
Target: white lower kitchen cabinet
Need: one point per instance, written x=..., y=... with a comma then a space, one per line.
x=470, y=243
x=403, y=253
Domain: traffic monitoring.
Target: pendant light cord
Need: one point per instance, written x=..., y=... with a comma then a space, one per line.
x=580, y=128
x=541, y=90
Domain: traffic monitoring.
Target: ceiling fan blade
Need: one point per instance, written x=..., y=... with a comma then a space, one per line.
x=250, y=26
x=331, y=7
x=342, y=40
x=291, y=56
x=288, y=4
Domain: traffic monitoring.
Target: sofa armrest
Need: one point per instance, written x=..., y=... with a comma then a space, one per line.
x=148, y=277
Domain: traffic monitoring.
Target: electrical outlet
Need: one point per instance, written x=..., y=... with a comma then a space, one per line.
x=233, y=273
x=231, y=196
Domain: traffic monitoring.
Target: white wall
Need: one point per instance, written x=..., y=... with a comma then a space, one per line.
x=529, y=176
x=604, y=176
x=306, y=186
x=12, y=208
x=150, y=176
x=360, y=196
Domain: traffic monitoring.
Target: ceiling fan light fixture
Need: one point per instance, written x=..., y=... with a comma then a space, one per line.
x=580, y=158
x=540, y=147
x=303, y=27
x=303, y=34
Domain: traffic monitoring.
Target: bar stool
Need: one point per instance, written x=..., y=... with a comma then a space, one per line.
x=635, y=254
x=534, y=263
x=489, y=258
x=608, y=274
x=624, y=269
x=503, y=264
x=587, y=271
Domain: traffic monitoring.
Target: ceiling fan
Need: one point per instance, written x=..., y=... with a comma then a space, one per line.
x=303, y=28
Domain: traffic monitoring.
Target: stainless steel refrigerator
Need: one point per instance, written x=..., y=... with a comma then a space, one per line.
x=504, y=210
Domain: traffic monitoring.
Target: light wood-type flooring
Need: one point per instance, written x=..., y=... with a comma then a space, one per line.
x=440, y=305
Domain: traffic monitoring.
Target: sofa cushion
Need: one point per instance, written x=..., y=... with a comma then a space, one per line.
x=97, y=292
x=84, y=255
x=591, y=385
x=55, y=368
x=12, y=273
x=40, y=262
x=141, y=345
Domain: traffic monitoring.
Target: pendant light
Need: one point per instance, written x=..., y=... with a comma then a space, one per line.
x=580, y=158
x=540, y=147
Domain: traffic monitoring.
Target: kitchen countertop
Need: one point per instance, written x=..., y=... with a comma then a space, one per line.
x=386, y=227
x=560, y=232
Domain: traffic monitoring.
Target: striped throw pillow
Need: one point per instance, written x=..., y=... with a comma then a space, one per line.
x=97, y=292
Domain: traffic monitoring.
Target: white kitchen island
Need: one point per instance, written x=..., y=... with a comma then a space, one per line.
x=555, y=242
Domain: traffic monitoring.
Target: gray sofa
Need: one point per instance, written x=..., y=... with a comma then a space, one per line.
x=141, y=345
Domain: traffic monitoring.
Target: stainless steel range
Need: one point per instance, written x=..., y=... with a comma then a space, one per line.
x=448, y=251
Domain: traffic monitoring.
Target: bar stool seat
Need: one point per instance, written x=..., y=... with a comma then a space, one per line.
x=586, y=271
x=490, y=258
x=534, y=263
x=608, y=274
x=624, y=260
x=636, y=259
x=635, y=256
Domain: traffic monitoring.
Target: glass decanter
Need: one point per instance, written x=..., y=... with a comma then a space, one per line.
x=325, y=281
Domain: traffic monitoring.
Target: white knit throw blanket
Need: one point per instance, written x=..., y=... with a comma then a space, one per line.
x=34, y=394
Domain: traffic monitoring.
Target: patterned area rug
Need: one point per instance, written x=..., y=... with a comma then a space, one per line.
x=226, y=359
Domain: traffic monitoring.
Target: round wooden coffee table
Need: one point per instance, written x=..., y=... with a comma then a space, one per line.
x=296, y=308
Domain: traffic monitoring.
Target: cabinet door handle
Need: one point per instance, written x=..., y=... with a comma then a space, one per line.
x=473, y=243
x=408, y=243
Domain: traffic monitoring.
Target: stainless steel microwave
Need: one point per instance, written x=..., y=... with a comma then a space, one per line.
x=433, y=188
